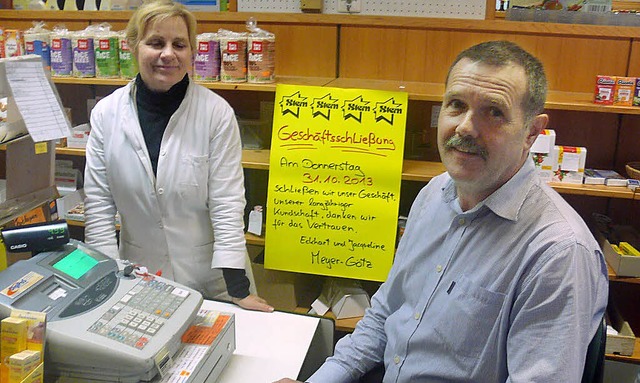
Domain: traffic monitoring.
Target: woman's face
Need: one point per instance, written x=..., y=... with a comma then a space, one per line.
x=164, y=53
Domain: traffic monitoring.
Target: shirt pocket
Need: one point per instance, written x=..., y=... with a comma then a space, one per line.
x=194, y=177
x=470, y=314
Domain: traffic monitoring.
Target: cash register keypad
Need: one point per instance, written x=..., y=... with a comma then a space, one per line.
x=140, y=313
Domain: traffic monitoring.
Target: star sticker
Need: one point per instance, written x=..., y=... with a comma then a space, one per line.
x=386, y=110
x=354, y=108
x=291, y=104
x=322, y=106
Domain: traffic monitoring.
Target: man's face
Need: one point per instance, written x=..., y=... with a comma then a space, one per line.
x=164, y=54
x=482, y=136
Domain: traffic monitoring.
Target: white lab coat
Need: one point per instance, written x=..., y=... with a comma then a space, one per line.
x=188, y=219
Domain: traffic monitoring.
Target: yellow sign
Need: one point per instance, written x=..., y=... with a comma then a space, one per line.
x=334, y=181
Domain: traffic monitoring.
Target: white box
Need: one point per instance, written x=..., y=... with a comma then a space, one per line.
x=68, y=202
x=345, y=297
x=570, y=161
x=622, y=343
x=622, y=265
x=542, y=154
x=79, y=136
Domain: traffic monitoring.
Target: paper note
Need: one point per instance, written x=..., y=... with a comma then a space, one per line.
x=35, y=98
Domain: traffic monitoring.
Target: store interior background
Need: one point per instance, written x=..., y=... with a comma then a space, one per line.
x=610, y=146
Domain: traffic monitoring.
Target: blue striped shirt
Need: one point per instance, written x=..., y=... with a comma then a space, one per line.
x=510, y=291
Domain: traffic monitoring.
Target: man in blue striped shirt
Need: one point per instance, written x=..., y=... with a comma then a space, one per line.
x=496, y=278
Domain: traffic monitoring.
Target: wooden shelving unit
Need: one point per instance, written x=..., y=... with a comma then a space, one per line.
x=422, y=171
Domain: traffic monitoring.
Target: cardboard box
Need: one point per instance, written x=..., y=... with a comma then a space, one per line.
x=569, y=162
x=283, y=290
x=624, y=342
x=622, y=265
x=36, y=207
x=543, y=155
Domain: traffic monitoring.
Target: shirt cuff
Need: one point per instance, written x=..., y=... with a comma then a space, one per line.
x=331, y=372
x=237, y=282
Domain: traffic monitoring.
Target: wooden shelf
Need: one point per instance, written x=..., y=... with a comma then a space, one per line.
x=634, y=358
x=418, y=91
x=422, y=171
x=346, y=325
x=253, y=239
x=242, y=86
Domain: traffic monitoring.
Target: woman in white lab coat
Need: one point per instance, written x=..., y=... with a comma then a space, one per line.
x=166, y=154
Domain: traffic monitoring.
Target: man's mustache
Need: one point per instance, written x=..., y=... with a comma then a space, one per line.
x=466, y=144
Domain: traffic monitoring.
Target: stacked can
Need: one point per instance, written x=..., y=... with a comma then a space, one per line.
x=61, y=53
x=207, y=59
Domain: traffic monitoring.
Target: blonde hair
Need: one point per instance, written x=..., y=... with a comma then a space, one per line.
x=152, y=11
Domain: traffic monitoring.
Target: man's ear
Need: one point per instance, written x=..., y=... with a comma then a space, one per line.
x=536, y=126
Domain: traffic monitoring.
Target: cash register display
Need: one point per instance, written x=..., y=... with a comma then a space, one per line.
x=76, y=264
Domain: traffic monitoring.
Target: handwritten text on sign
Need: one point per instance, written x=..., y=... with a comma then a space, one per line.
x=334, y=181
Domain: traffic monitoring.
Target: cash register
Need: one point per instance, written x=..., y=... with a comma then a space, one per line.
x=106, y=320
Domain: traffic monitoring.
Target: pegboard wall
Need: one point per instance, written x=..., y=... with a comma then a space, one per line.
x=459, y=9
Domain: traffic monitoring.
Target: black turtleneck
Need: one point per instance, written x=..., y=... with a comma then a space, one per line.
x=154, y=111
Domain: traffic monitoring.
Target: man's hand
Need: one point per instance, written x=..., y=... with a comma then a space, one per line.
x=253, y=302
x=287, y=380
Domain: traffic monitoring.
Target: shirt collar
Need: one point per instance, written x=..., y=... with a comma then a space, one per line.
x=508, y=199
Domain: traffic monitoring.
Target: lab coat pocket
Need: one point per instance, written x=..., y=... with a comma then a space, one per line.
x=466, y=324
x=193, y=177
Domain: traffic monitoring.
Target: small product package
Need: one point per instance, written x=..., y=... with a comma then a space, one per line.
x=233, y=55
x=13, y=332
x=570, y=162
x=625, y=87
x=106, y=50
x=84, y=56
x=37, y=41
x=22, y=364
x=636, y=93
x=61, y=52
x=543, y=155
x=261, y=54
x=128, y=64
x=207, y=59
x=13, y=43
x=605, y=87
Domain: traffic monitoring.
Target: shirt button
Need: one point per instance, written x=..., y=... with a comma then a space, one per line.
x=160, y=191
x=439, y=268
x=416, y=316
x=160, y=225
x=396, y=359
x=163, y=153
x=461, y=221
